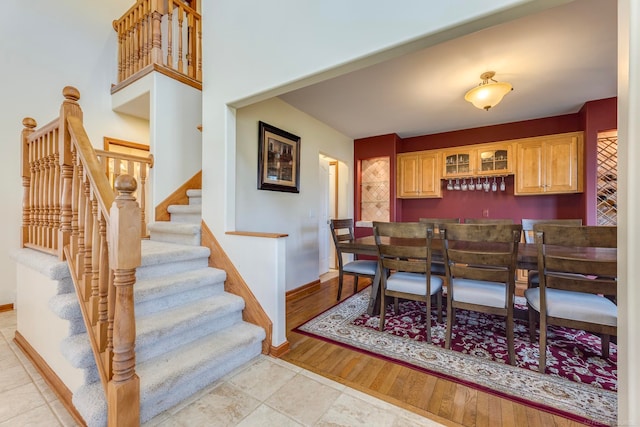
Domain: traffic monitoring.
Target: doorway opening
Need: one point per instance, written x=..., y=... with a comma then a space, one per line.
x=333, y=204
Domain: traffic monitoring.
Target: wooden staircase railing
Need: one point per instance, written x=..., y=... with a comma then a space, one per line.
x=116, y=164
x=70, y=210
x=162, y=35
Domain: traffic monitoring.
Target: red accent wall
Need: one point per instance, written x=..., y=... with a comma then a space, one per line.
x=514, y=130
x=595, y=116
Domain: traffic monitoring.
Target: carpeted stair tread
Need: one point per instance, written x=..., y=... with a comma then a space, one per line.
x=163, y=258
x=172, y=377
x=170, y=227
x=168, y=329
x=77, y=350
x=195, y=196
x=162, y=252
x=65, y=306
x=179, y=283
x=184, y=209
x=184, y=230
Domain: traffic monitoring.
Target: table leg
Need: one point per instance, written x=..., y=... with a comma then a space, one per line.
x=374, y=298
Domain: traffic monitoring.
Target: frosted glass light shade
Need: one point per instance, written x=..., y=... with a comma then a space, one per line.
x=489, y=93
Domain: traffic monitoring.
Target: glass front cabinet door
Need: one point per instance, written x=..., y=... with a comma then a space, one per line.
x=495, y=160
x=458, y=163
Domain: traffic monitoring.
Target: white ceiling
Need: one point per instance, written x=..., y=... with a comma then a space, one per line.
x=556, y=60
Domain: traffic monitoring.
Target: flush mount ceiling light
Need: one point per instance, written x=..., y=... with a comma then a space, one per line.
x=488, y=93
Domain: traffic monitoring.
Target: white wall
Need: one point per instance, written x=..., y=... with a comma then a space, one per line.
x=176, y=142
x=285, y=44
x=46, y=46
x=295, y=214
x=628, y=212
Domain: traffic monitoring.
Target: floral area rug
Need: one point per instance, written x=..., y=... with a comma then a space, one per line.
x=578, y=385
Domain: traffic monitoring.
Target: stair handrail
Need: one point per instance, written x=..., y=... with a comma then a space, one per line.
x=139, y=167
x=152, y=35
x=71, y=210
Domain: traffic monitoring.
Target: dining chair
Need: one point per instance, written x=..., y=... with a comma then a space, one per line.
x=575, y=291
x=480, y=263
x=404, y=255
x=488, y=221
x=437, y=265
x=533, y=279
x=341, y=230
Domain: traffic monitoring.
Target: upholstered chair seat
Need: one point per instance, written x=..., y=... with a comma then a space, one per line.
x=576, y=306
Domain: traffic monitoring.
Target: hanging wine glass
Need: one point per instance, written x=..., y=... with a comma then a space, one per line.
x=457, y=185
x=494, y=185
x=479, y=185
x=486, y=184
x=503, y=187
x=450, y=185
x=472, y=186
x=464, y=187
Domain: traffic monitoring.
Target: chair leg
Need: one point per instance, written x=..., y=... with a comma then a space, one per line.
x=510, y=338
x=339, y=285
x=450, y=315
x=355, y=285
x=606, y=338
x=396, y=307
x=383, y=307
x=427, y=321
x=542, y=363
x=532, y=323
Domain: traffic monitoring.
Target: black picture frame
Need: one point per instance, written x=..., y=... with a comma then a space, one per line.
x=278, y=159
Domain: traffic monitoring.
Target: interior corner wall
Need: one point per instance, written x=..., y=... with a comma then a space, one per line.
x=45, y=47
x=295, y=214
x=175, y=141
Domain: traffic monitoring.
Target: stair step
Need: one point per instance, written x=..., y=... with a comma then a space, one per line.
x=161, y=259
x=185, y=233
x=195, y=196
x=185, y=213
x=164, y=331
x=170, y=378
x=160, y=331
x=161, y=293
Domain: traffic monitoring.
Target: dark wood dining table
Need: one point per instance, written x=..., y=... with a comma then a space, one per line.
x=527, y=259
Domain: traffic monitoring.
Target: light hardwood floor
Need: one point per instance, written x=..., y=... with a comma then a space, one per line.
x=441, y=400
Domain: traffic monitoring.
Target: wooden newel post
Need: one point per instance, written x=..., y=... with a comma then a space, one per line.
x=29, y=127
x=123, y=391
x=70, y=107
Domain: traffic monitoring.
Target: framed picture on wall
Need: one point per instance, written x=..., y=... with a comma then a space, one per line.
x=278, y=159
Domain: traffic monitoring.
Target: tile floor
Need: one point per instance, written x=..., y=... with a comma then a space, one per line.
x=266, y=392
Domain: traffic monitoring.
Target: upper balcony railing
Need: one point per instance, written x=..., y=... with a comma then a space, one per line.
x=160, y=35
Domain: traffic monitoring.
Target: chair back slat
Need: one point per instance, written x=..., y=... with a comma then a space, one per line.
x=528, y=224
x=574, y=271
x=482, y=251
x=488, y=221
x=402, y=246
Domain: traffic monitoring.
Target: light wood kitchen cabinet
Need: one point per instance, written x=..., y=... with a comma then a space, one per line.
x=549, y=164
x=494, y=159
x=459, y=162
x=419, y=175
x=478, y=160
